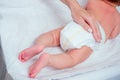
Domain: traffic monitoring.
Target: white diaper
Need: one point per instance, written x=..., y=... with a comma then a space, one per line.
x=74, y=36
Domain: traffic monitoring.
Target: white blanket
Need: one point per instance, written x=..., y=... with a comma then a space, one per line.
x=21, y=21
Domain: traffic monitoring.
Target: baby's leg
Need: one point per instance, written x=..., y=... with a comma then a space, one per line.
x=49, y=39
x=45, y=40
x=64, y=60
x=28, y=53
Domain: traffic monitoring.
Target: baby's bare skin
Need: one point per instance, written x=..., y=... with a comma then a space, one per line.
x=73, y=57
x=106, y=15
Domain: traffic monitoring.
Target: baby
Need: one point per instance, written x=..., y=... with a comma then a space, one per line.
x=77, y=43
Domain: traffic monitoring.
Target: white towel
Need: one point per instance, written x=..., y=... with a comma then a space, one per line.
x=22, y=21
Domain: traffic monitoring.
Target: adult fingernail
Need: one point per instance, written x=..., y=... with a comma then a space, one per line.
x=31, y=75
x=90, y=30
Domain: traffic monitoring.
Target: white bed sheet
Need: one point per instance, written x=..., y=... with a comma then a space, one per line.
x=21, y=21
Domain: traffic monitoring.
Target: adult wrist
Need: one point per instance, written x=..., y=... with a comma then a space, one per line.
x=72, y=4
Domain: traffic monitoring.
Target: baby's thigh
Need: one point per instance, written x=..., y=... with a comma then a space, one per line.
x=56, y=35
x=80, y=54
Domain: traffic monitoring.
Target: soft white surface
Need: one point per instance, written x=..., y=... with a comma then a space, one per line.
x=21, y=21
x=118, y=8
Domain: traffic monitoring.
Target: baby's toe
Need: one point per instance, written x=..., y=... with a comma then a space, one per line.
x=21, y=57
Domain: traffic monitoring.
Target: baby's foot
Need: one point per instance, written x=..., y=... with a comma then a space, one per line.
x=30, y=52
x=38, y=65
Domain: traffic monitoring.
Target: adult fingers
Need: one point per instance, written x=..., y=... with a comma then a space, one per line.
x=95, y=28
x=82, y=22
x=96, y=32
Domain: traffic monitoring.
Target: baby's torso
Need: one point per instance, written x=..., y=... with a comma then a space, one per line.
x=104, y=14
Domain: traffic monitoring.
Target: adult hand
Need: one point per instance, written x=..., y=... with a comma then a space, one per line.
x=82, y=17
x=87, y=21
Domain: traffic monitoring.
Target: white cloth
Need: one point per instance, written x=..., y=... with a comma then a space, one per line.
x=118, y=8
x=22, y=21
x=74, y=36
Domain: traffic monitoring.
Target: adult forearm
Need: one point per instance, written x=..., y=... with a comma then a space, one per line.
x=72, y=4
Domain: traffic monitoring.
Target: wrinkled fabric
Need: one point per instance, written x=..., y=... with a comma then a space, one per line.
x=3, y=72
